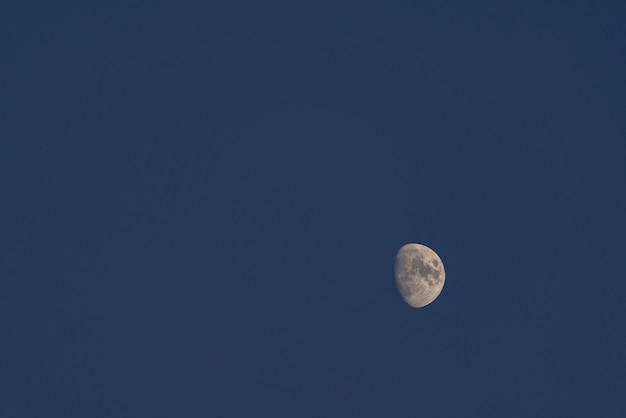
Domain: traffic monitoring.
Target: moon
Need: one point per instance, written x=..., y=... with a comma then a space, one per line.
x=419, y=274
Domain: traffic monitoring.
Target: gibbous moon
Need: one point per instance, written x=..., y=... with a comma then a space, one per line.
x=419, y=274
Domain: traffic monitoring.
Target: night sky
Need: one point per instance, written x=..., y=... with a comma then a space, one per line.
x=201, y=207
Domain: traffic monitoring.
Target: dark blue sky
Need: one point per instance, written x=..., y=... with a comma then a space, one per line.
x=201, y=208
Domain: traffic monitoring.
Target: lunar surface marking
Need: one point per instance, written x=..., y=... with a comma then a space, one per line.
x=420, y=275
